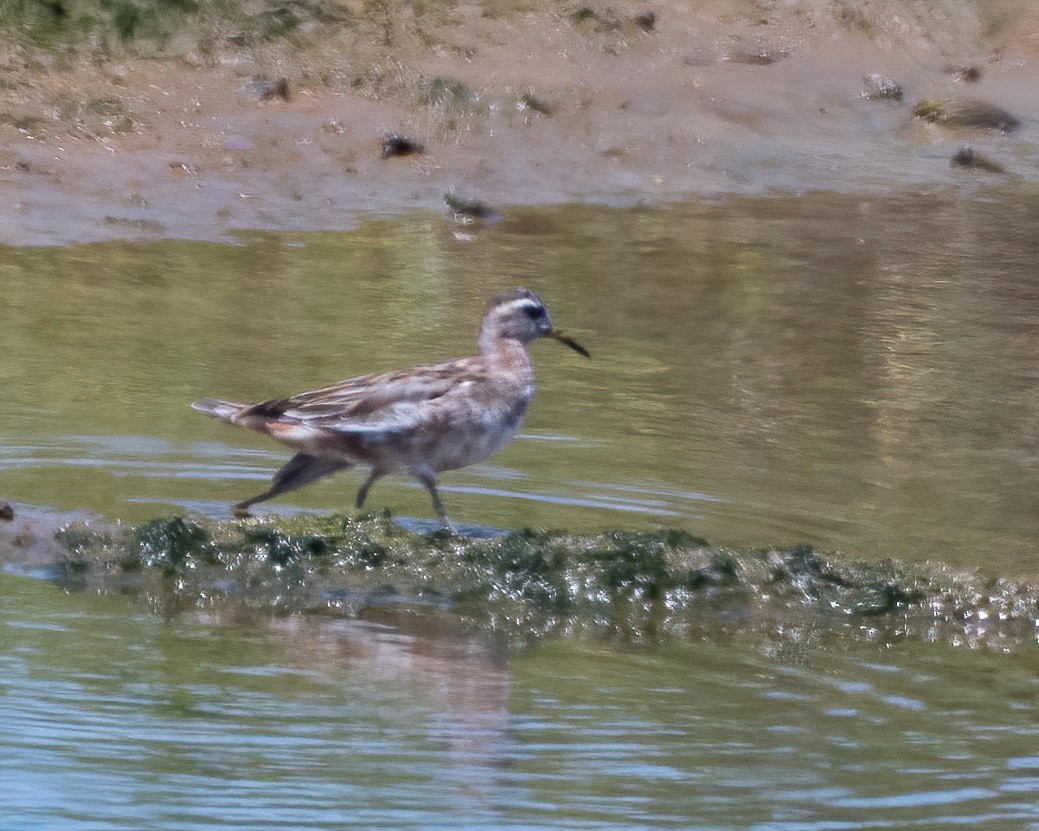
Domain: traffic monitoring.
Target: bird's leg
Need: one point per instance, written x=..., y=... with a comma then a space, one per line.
x=300, y=470
x=242, y=508
x=362, y=494
x=428, y=479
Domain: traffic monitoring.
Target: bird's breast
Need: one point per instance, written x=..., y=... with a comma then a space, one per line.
x=472, y=433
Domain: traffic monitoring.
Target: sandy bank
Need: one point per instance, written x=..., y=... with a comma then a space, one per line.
x=518, y=105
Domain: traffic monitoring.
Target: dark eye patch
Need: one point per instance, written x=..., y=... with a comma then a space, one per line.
x=534, y=312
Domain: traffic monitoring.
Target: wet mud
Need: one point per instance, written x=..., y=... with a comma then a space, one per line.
x=144, y=120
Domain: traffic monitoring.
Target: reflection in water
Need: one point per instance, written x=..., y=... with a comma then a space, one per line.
x=852, y=372
x=212, y=721
x=117, y=720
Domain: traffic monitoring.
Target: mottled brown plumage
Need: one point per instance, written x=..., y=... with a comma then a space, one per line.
x=420, y=421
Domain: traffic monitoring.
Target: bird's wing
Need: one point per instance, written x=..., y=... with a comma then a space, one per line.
x=372, y=403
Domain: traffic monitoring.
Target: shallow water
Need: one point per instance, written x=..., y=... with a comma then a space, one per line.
x=857, y=373
x=119, y=719
x=861, y=374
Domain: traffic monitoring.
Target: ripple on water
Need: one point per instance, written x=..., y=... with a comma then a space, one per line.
x=116, y=720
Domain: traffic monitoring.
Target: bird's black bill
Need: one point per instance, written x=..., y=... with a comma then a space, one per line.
x=559, y=336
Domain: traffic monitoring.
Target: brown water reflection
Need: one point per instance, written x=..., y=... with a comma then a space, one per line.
x=857, y=373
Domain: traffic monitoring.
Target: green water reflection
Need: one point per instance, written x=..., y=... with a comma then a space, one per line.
x=117, y=719
x=857, y=373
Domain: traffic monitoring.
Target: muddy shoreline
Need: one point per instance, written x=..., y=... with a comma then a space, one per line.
x=514, y=105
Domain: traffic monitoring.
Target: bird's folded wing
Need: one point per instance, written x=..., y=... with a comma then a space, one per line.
x=371, y=403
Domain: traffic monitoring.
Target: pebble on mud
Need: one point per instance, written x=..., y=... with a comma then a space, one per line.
x=531, y=103
x=879, y=88
x=465, y=209
x=6, y=511
x=646, y=21
x=759, y=55
x=267, y=89
x=396, y=144
x=181, y=169
x=967, y=157
x=591, y=20
x=967, y=74
x=968, y=113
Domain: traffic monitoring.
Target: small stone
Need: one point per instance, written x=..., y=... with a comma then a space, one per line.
x=967, y=74
x=267, y=89
x=180, y=169
x=396, y=144
x=969, y=113
x=879, y=87
x=760, y=55
x=971, y=159
x=531, y=103
x=646, y=21
x=6, y=511
x=465, y=209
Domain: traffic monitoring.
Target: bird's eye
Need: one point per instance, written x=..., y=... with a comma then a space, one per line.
x=534, y=312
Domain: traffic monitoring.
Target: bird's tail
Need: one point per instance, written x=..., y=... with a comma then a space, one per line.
x=215, y=408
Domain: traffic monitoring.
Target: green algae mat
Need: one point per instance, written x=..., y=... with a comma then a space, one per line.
x=528, y=585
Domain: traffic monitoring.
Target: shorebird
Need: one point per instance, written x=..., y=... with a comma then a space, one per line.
x=419, y=421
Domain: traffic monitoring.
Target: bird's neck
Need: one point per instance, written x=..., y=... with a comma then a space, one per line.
x=505, y=352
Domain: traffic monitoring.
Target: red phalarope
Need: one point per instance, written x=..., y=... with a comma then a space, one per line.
x=419, y=421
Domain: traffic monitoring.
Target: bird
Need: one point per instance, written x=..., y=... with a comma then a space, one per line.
x=419, y=421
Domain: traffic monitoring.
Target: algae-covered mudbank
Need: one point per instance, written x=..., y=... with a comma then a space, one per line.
x=531, y=584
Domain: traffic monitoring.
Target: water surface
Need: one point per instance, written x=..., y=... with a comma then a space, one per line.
x=858, y=373
x=853, y=372
x=115, y=718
